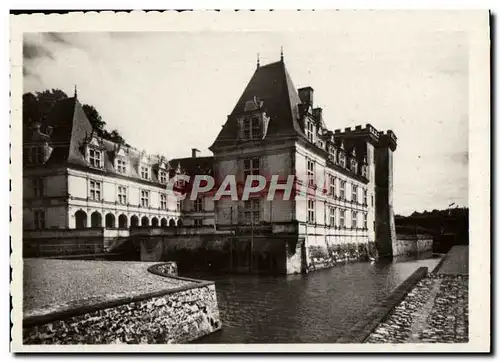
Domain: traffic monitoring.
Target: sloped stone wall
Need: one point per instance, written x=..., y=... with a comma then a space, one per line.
x=175, y=317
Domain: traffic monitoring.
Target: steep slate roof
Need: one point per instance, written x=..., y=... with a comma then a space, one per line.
x=272, y=85
x=70, y=128
x=194, y=165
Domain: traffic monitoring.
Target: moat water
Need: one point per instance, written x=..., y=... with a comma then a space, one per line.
x=315, y=308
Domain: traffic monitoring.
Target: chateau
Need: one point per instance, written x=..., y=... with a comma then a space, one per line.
x=341, y=205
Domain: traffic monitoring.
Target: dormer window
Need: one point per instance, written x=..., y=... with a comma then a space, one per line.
x=35, y=154
x=310, y=131
x=252, y=128
x=121, y=165
x=162, y=176
x=342, y=159
x=354, y=166
x=95, y=158
x=145, y=172
x=364, y=171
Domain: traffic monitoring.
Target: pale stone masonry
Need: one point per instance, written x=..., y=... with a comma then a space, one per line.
x=341, y=204
x=283, y=132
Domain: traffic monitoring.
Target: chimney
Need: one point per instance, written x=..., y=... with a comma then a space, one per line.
x=306, y=95
x=194, y=152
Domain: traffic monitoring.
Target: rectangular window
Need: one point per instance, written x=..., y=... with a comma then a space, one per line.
x=163, y=177
x=39, y=219
x=145, y=172
x=332, y=216
x=365, y=197
x=122, y=195
x=310, y=131
x=332, y=186
x=121, y=165
x=354, y=193
x=35, y=154
x=342, y=159
x=310, y=173
x=310, y=211
x=95, y=158
x=144, y=198
x=342, y=189
x=365, y=221
x=342, y=218
x=354, y=222
x=95, y=190
x=178, y=206
x=163, y=201
x=252, y=128
x=38, y=187
x=251, y=166
x=256, y=129
x=198, y=222
x=198, y=204
x=252, y=211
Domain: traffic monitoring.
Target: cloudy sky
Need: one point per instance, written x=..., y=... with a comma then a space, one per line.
x=167, y=92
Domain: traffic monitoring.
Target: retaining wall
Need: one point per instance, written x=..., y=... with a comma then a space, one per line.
x=173, y=316
x=361, y=330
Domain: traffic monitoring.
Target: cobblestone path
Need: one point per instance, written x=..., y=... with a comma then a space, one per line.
x=435, y=311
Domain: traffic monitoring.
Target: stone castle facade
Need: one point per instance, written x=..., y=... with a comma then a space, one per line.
x=341, y=206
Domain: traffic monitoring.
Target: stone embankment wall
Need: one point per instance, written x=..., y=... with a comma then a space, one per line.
x=174, y=316
x=411, y=244
x=362, y=330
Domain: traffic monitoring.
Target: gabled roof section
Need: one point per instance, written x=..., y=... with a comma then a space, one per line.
x=272, y=85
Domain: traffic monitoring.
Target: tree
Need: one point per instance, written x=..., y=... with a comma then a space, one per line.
x=94, y=118
x=37, y=107
x=47, y=100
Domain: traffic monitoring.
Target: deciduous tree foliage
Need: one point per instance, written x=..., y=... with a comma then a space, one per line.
x=37, y=106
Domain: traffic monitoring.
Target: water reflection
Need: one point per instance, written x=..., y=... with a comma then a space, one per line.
x=314, y=308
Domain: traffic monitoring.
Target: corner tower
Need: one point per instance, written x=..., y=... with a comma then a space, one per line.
x=385, y=229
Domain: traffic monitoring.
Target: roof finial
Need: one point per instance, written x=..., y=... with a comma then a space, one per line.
x=282, y=53
x=76, y=92
x=258, y=61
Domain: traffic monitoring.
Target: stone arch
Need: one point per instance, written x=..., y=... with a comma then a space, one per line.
x=96, y=219
x=144, y=221
x=122, y=221
x=171, y=222
x=80, y=219
x=163, y=222
x=110, y=220
x=179, y=223
x=154, y=222
x=134, y=221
